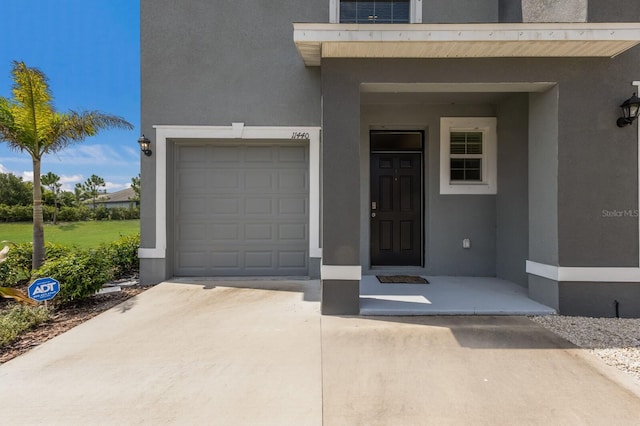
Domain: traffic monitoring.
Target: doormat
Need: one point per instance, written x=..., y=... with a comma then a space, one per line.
x=401, y=279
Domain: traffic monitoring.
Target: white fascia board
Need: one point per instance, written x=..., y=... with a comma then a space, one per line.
x=295, y=134
x=305, y=32
x=492, y=40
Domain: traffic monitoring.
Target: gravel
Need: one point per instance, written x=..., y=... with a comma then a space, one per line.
x=614, y=340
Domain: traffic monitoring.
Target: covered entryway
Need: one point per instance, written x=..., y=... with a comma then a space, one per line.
x=241, y=209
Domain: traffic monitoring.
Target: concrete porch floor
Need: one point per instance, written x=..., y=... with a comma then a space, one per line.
x=448, y=296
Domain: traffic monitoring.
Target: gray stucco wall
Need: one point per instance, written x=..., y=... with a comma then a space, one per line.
x=510, y=11
x=544, y=291
x=598, y=171
x=215, y=63
x=543, y=10
x=599, y=299
x=597, y=10
x=543, y=177
x=512, y=200
x=459, y=11
x=614, y=11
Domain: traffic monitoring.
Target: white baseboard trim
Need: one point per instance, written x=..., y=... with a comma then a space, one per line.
x=341, y=272
x=151, y=253
x=583, y=274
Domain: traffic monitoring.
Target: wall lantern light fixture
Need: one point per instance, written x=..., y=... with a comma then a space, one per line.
x=630, y=110
x=144, y=145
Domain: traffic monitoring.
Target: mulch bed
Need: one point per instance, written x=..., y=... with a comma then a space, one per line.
x=65, y=318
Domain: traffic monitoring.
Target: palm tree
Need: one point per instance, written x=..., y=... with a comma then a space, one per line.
x=30, y=123
x=52, y=181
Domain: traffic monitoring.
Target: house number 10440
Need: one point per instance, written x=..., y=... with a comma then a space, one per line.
x=300, y=135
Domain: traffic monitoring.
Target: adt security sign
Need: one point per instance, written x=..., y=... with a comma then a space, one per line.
x=44, y=289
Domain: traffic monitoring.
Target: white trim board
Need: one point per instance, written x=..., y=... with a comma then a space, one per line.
x=315, y=41
x=584, y=274
x=341, y=272
x=235, y=131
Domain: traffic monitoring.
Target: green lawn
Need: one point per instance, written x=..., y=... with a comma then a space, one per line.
x=81, y=234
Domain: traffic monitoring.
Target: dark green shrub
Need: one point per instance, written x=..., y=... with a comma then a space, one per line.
x=101, y=213
x=16, y=213
x=9, y=276
x=17, y=265
x=80, y=274
x=47, y=213
x=20, y=213
x=19, y=319
x=4, y=213
x=57, y=251
x=73, y=214
x=123, y=255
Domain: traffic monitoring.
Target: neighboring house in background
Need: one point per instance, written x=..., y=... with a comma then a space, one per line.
x=332, y=139
x=122, y=199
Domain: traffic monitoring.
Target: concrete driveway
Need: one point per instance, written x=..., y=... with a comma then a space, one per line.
x=259, y=353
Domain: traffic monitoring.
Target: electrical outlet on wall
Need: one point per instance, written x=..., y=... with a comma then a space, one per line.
x=466, y=243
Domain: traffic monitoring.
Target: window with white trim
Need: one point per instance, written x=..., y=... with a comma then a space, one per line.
x=375, y=11
x=468, y=155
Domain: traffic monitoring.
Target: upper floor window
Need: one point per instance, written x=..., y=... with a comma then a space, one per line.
x=376, y=11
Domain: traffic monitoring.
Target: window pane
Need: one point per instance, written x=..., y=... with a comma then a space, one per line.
x=466, y=143
x=366, y=11
x=472, y=175
x=457, y=174
x=348, y=12
x=466, y=169
x=474, y=143
x=457, y=164
x=376, y=11
x=395, y=141
x=401, y=13
x=383, y=13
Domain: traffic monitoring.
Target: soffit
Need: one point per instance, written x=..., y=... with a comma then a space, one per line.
x=317, y=41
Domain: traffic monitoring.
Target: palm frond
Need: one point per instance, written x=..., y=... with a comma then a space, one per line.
x=17, y=295
x=73, y=127
x=31, y=108
x=8, y=130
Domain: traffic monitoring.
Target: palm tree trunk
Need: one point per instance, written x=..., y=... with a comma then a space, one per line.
x=38, y=219
x=55, y=208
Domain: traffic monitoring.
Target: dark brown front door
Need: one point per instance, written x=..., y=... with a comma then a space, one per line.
x=396, y=209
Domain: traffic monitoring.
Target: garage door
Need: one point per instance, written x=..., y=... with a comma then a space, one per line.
x=241, y=209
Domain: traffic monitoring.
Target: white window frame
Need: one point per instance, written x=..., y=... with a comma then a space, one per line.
x=415, y=12
x=488, y=127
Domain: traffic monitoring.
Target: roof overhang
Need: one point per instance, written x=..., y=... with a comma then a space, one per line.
x=317, y=41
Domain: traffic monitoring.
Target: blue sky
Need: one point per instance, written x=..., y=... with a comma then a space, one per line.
x=89, y=50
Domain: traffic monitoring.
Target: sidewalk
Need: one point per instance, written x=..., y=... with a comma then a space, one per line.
x=259, y=353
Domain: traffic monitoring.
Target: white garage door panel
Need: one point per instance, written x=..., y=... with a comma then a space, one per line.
x=241, y=209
